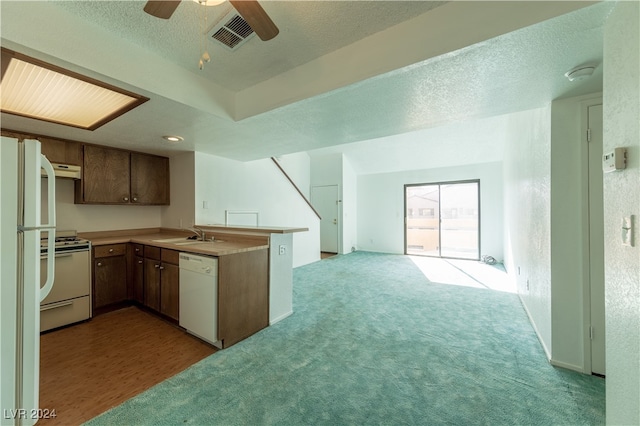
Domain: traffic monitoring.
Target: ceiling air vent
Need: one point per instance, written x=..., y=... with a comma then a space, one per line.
x=232, y=31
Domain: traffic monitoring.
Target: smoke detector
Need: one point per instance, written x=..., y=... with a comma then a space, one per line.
x=232, y=31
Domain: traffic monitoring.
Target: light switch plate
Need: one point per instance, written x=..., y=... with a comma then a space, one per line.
x=627, y=231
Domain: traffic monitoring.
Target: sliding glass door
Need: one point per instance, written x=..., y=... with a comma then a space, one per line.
x=443, y=219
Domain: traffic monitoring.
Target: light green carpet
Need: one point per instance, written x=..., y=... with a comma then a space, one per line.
x=372, y=341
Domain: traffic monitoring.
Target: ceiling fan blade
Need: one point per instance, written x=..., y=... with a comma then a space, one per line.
x=161, y=8
x=257, y=18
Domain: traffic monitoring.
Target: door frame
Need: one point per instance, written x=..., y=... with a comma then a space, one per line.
x=338, y=216
x=586, y=233
x=404, y=196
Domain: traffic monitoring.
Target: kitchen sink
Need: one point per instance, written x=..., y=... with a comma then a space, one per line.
x=172, y=240
x=185, y=242
x=192, y=242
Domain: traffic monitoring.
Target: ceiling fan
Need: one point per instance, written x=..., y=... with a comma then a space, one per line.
x=250, y=10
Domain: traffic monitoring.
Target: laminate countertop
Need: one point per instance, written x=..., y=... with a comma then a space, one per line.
x=251, y=230
x=226, y=245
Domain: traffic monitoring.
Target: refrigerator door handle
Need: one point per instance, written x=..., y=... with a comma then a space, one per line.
x=51, y=207
x=51, y=185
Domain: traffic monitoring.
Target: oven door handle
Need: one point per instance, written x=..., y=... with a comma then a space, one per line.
x=56, y=305
x=63, y=255
x=69, y=253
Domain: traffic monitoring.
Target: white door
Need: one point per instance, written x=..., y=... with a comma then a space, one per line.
x=325, y=201
x=596, y=241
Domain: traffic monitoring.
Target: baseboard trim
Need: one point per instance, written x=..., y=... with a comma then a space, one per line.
x=565, y=365
x=535, y=328
x=280, y=318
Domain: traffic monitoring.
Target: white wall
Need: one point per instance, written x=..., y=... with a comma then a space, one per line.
x=256, y=186
x=87, y=218
x=381, y=205
x=326, y=170
x=297, y=167
x=569, y=230
x=181, y=212
x=527, y=207
x=622, y=198
x=349, y=207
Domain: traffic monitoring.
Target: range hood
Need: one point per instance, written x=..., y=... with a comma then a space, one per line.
x=66, y=171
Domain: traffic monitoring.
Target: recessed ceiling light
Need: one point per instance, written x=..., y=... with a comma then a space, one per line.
x=173, y=138
x=35, y=89
x=580, y=73
x=209, y=2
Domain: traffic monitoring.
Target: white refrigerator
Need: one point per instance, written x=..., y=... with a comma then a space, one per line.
x=21, y=229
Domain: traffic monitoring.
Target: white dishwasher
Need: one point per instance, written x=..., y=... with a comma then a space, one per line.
x=199, y=296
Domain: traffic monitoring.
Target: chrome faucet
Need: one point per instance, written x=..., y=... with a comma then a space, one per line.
x=199, y=232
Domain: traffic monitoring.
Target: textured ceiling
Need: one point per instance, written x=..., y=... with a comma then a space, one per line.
x=383, y=77
x=309, y=29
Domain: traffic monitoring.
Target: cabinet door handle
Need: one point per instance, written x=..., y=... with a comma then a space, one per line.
x=137, y=250
x=157, y=266
x=125, y=198
x=99, y=264
x=135, y=198
x=162, y=267
x=110, y=250
x=139, y=261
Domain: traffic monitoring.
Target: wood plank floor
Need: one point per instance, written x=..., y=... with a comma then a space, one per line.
x=88, y=368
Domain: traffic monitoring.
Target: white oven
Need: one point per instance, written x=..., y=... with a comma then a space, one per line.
x=70, y=298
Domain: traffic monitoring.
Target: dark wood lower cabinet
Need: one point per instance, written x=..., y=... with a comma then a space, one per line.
x=243, y=295
x=137, y=284
x=151, y=277
x=110, y=285
x=162, y=281
x=152, y=284
x=170, y=290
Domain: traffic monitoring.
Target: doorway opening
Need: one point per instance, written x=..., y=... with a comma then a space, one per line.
x=325, y=200
x=443, y=219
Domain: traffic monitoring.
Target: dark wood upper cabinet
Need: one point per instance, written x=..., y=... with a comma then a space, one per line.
x=149, y=179
x=62, y=152
x=109, y=175
x=56, y=150
x=105, y=176
x=114, y=176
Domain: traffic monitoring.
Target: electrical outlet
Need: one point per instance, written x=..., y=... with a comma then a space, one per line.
x=282, y=249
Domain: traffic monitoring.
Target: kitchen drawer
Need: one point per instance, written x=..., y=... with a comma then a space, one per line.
x=110, y=250
x=152, y=252
x=65, y=312
x=171, y=256
x=138, y=249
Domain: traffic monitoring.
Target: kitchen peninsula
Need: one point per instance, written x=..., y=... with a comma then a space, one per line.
x=254, y=273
